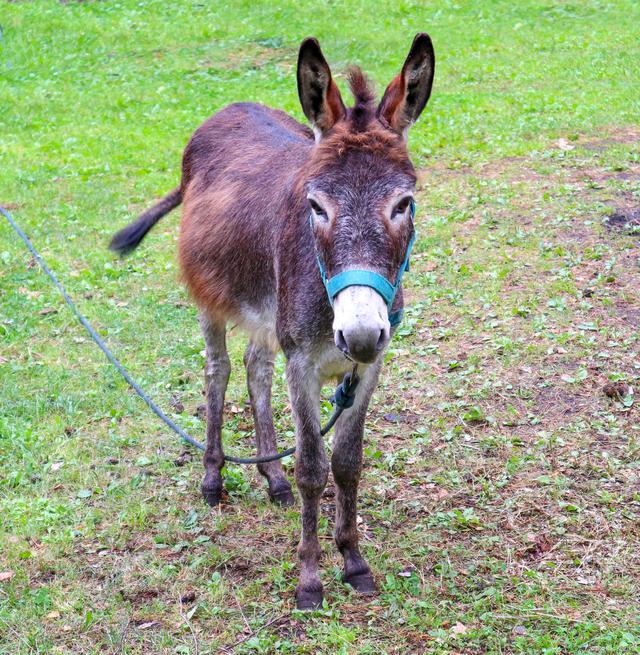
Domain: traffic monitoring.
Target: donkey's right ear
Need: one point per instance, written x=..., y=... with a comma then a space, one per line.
x=319, y=96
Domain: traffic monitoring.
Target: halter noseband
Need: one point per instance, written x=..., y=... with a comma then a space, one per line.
x=358, y=277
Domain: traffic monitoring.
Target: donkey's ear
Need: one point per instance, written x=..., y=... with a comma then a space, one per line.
x=319, y=96
x=407, y=95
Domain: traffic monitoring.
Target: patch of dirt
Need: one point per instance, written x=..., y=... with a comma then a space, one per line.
x=238, y=569
x=554, y=401
x=624, y=219
x=201, y=412
x=139, y=596
x=253, y=56
x=627, y=134
x=44, y=577
x=617, y=390
x=184, y=458
x=629, y=313
x=189, y=596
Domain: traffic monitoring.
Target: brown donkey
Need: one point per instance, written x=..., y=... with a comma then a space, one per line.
x=271, y=210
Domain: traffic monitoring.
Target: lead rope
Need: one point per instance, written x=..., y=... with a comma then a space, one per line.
x=342, y=399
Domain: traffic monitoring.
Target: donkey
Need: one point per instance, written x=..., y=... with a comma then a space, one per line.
x=271, y=210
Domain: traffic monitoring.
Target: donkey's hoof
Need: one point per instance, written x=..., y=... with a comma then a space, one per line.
x=308, y=600
x=282, y=495
x=211, y=490
x=363, y=583
x=212, y=496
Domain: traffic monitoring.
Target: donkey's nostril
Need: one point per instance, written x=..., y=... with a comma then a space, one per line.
x=361, y=345
x=340, y=341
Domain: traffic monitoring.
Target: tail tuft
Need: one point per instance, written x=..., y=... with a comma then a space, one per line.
x=127, y=240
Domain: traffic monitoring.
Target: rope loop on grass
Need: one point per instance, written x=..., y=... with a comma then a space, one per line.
x=136, y=387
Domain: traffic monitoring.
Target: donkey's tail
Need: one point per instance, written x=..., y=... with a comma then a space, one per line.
x=129, y=238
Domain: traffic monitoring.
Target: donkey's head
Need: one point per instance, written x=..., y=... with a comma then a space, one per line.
x=360, y=186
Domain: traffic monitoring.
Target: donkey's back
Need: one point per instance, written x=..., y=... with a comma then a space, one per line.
x=245, y=142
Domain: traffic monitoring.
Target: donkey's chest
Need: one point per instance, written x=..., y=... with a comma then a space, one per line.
x=259, y=321
x=329, y=362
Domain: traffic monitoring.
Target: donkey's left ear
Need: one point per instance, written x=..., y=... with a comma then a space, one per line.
x=407, y=95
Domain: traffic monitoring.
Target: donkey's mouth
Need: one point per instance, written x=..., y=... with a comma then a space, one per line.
x=361, y=327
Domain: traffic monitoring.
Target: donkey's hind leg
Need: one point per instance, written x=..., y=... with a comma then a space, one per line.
x=259, y=364
x=217, y=370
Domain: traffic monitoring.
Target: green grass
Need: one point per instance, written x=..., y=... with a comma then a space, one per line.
x=501, y=498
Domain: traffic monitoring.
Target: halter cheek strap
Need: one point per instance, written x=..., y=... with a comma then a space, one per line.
x=358, y=277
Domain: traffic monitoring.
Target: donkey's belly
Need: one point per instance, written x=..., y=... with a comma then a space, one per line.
x=259, y=321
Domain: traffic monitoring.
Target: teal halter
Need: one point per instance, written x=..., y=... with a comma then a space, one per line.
x=358, y=277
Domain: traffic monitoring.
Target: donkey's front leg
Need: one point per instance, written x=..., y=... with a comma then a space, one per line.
x=346, y=464
x=312, y=470
x=217, y=370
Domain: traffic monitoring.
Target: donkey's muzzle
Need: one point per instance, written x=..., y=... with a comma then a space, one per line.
x=361, y=346
x=361, y=327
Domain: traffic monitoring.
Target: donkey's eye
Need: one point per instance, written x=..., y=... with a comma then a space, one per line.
x=317, y=210
x=401, y=207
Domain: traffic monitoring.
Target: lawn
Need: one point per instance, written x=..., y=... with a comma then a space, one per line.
x=500, y=503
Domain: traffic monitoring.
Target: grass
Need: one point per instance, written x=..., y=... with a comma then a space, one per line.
x=501, y=498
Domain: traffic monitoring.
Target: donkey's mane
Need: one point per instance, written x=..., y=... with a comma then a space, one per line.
x=364, y=109
x=360, y=130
